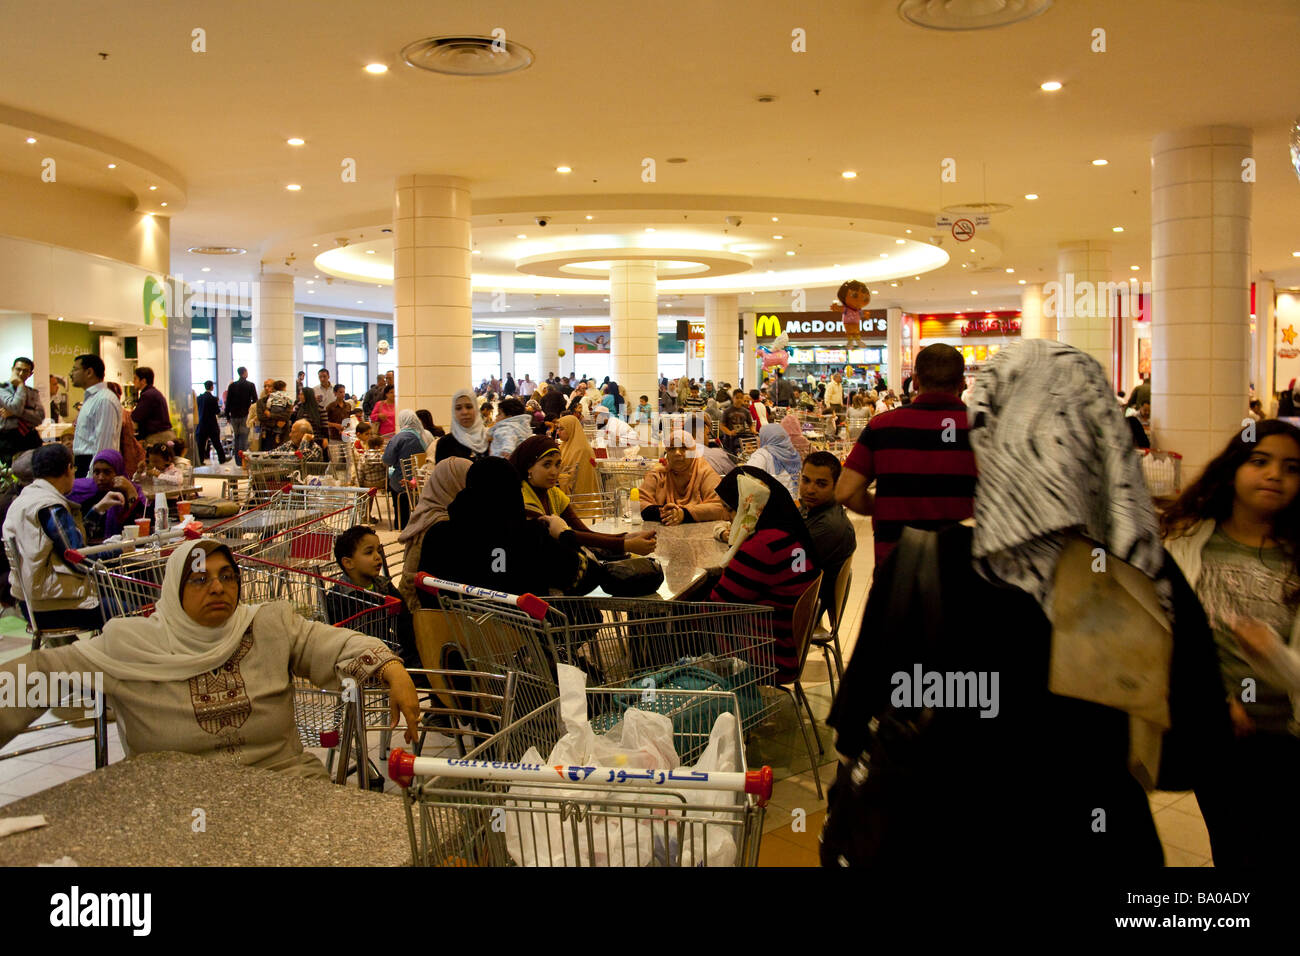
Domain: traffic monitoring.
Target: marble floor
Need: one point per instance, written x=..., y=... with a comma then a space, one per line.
x=794, y=816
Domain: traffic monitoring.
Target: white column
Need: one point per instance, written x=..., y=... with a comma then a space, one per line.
x=225, y=357
x=1033, y=323
x=507, y=340
x=721, y=337
x=748, y=354
x=634, y=328
x=894, y=350
x=548, y=348
x=1261, y=371
x=431, y=290
x=1083, y=316
x=1200, y=258
x=275, y=347
x=567, y=365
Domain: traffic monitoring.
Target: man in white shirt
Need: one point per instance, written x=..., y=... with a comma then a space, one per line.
x=527, y=386
x=99, y=423
x=324, y=391
x=835, y=394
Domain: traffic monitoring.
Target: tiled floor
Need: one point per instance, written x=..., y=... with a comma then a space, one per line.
x=794, y=816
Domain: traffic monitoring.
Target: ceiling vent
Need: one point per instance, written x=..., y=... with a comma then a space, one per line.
x=468, y=56
x=969, y=14
x=977, y=208
x=216, y=251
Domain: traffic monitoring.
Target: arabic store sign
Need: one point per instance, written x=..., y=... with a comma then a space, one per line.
x=816, y=325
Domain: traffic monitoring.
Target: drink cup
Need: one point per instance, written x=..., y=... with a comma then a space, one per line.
x=130, y=533
x=182, y=508
x=142, y=526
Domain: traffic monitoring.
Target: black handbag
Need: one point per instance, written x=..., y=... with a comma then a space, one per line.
x=632, y=577
x=877, y=799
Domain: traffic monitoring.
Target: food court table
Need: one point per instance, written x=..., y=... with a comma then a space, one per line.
x=140, y=812
x=230, y=475
x=683, y=550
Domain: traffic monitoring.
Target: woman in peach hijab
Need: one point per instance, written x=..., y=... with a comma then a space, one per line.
x=801, y=444
x=683, y=488
x=577, y=473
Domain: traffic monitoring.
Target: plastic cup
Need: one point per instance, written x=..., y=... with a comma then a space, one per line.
x=142, y=527
x=182, y=508
x=131, y=533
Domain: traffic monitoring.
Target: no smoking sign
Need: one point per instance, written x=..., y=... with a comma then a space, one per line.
x=963, y=230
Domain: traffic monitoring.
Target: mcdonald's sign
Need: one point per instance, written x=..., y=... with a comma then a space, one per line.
x=803, y=326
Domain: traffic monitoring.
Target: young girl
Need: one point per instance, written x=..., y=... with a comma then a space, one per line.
x=1235, y=534
x=362, y=440
x=160, y=464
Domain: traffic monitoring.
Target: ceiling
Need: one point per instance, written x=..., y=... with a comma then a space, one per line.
x=871, y=94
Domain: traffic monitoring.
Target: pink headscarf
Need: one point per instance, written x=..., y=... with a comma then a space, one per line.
x=801, y=444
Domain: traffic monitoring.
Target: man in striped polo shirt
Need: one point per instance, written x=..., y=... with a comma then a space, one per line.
x=919, y=456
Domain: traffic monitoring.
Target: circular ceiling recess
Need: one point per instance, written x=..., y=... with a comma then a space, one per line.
x=669, y=263
x=468, y=56
x=216, y=250
x=969, y=14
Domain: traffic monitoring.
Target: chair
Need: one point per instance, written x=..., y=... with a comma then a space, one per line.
x=413, y=475
x=748, y=445
x=39, y=634
x=829, y=641
x=98, y=735
x=805, y=617
x=371, y=472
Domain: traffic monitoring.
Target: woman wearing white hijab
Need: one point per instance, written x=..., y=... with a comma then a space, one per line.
x=208, y=675
x=468, y=437
x=777, y=456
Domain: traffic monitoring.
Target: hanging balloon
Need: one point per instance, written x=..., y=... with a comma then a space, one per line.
x=381, y=347
x=560, y=353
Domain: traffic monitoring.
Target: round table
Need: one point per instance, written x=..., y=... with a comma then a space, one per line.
x=684, y=550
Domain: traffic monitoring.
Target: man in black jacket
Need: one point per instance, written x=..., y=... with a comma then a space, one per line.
x=208, y=430
x=240, y=397
x=153, y=421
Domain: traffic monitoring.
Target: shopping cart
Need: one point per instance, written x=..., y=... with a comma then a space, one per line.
x=1163, y=471
x=626, y=643
x=327, y=512
x=503, y=804
x=624, y=473
x=268, y=470
x=129, y=585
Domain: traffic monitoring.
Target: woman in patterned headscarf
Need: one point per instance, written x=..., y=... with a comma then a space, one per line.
x=1055, y=463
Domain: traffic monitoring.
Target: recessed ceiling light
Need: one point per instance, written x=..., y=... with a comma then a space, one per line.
x=884, y=255
x=91, y=322
x=521, y=236
x=789, y=252
x=60, y=318
x=849, y=174
x=1021, y=281
x=1031, y=196
x=973, y=292
x=315, y=245
x=370, y=252
x=206, y=269
x=358, y=301
x=589, y=218
x=112, y=165
x=1296, y=254
x=1116, y=228
x=893, y=285
x=649, y=228
x=376, y=68
x=162, y=204
x=1099, y=162
x=316, y=275
x=778, y=237
x=908, y=231
x=770, y=271
x=152, y=188
x=296, y=141
x=311, y=281
x=564, y=169
x=917, y=278
x=1135, y=268
x=776, y=218
x=293, y=187
x=1051, y=86
x=311, y=291
x=605, y=300
x=1010, y=270
x=478, y=252
x=963, y=265
x=30, y=140
x=900, y=241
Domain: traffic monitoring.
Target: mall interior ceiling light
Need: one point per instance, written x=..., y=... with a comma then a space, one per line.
x=1100, y=162
x=564, y=169
x=296, y=141
x=31, y=140
x=152, y=188
x=467, y=55
x=1031, y=196
x=293, y=187
x=216, y=250
x=1116, y=228
x=1051, y=86
x=849, y=174
x=969, y=14
x=376, y=68
x=1295, y=146
x=1021, y=282
x=1135, y=268
x=112, y=165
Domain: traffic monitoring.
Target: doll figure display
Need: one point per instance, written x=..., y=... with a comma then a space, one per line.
x=853, y=297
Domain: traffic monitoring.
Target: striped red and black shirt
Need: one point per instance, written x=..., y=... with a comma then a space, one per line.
x=920, y=458
x=768, y=570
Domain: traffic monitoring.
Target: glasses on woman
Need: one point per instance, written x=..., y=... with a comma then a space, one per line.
x=199, y=582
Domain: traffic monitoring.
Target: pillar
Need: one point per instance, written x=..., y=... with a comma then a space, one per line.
x=1034, y=323
x=634, y=328
x=721, y=337
x=507, y=340
x=1082, y=305
x=894, y=350
x=548, y=347
x=749, y=363
x=567, y=364
x=275, y=346
x=1200, y=257
x=432, y=306
x=1261, y=370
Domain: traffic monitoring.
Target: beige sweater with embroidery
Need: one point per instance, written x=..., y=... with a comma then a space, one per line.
x=243, y=711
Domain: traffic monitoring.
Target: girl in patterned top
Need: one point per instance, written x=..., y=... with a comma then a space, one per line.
x=1235, y=534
